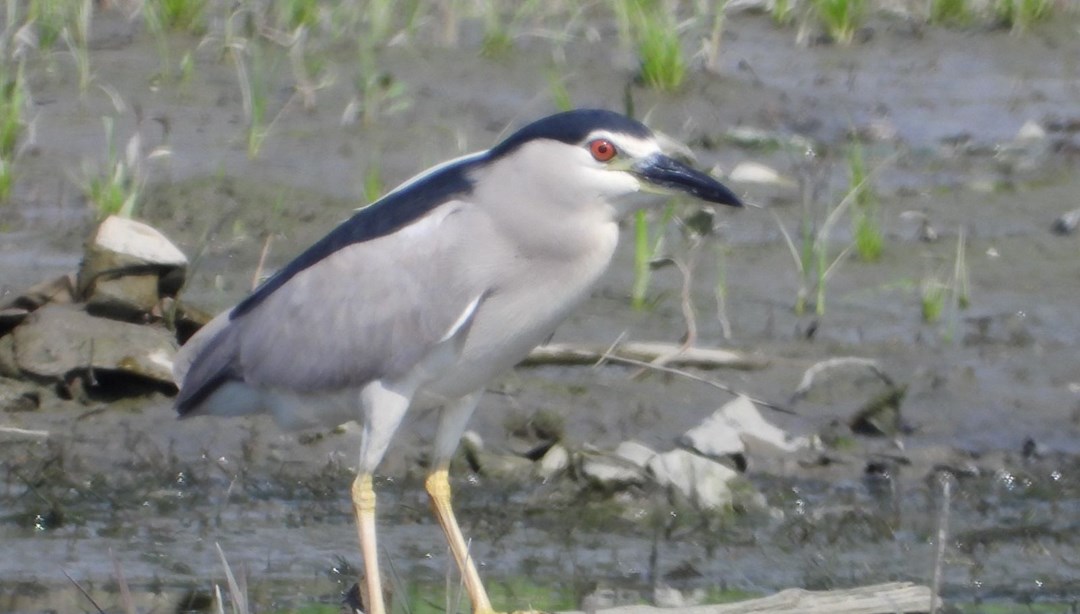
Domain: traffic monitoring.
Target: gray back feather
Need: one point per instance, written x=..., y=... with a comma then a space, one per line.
x=370, y=311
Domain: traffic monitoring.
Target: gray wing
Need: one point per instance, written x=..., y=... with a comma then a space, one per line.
x=369, y=311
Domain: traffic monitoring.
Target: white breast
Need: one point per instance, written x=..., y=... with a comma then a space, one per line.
x=533, y=297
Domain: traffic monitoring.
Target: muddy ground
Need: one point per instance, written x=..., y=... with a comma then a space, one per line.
x=991, y=390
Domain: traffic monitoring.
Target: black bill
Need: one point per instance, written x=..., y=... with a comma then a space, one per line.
x=671, y=175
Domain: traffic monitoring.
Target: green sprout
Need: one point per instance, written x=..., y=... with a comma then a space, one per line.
x=560, y=96
x=1020, y=15
x=947, y=295
x=50, y=17
x=811, y=256
x=115, y=189
x=949, y=12
x=783, y=12
x=179, y=15
x=377, y=91
x=865, y=217
x=655, y=35
x=646, y=249
x=841, y=18
x=13, y=105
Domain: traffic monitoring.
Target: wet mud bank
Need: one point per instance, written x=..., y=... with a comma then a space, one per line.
x=971, y=139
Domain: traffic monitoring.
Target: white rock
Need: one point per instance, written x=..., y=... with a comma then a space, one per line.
x=735, y=427
x=1067, y=223
x=880, y=129
x=1031, y=131
x=554, y=462
x=608, y=472
x=636, y=453
x=139, y=241
x=666, y=596
x=753, y=172
x=120, y=247
x=750, y=136
x=625, y=465
x=472, y=441
x=743, y=6
x=702, y=481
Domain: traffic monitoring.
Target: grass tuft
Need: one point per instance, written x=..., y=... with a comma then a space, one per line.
x=50, y=17
x=500, y=32
x=13, y=103
x=646, y=249
x=378, y=93
x=783, y=12
x=76, y=36
x=865, y=216
x=117, y=188
x=114, y=190
x=947, y=295
x=841, y=18
x=655, y=34
x=812, y=255
x=933, y=293
x=949, y=12
x=560, y=95
x=254, y=75
x=1021, y=15
x=180, y=15
x=293, y=14
x=373, y=182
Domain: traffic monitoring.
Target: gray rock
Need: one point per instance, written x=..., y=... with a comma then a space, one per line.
x=856, y=386
x=8, y=366
x=1067, y=223
x=880, y=416
x=606, y=597
x=18, y=396
x=923, y=228
x=186, y=318
x=495, y=465
x=704, y=482
x=504, y=467
x=129, y=297
x=14, y=310
x=57, y=340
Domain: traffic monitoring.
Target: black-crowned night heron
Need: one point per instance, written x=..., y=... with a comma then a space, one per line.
x=420, y=299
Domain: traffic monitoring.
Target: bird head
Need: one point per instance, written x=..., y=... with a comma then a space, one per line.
x=592, y=157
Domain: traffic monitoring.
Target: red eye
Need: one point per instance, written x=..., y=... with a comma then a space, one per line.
x=602, y=149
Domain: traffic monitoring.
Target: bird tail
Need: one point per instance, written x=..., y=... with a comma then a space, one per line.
x=205, y=362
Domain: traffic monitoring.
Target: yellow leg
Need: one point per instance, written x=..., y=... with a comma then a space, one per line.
x=363, y=497
x=438, y=488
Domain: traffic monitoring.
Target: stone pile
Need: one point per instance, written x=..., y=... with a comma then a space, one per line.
x=704, y=471
x=110, y=330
